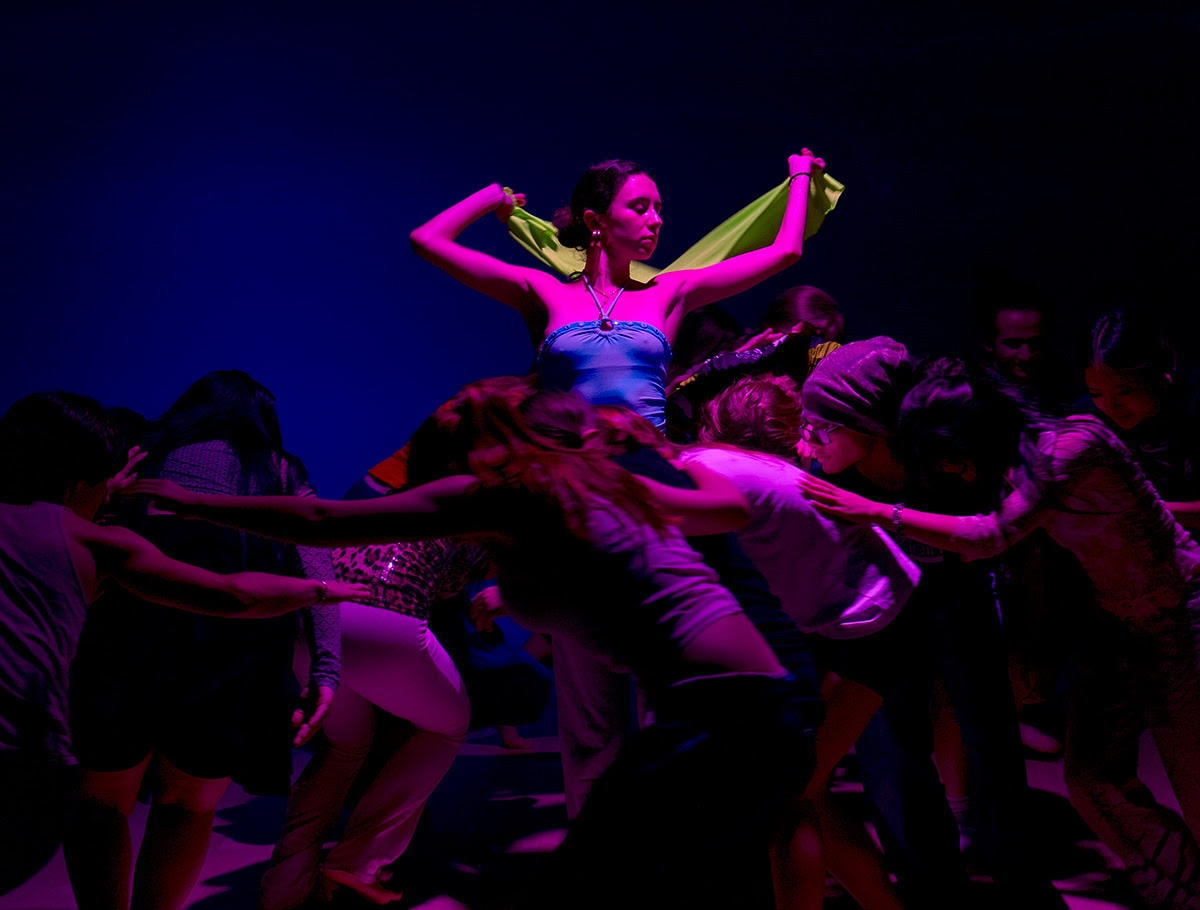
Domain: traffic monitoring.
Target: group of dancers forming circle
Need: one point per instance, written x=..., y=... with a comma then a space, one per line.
x=770, y=614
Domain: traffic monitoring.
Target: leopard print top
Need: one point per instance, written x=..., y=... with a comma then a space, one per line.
x=410, y=578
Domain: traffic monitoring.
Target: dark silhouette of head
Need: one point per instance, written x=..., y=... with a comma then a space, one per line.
x=52, y=441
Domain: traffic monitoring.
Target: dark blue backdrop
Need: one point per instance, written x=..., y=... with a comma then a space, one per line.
x=188, y=187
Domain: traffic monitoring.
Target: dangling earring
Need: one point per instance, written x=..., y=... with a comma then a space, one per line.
x=595, y=238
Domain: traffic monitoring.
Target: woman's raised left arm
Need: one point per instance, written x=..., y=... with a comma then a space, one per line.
x=699, y=287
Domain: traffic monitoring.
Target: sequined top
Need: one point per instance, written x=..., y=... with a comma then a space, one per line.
x=1089, y=494
x=623, y=365
x=410, y=578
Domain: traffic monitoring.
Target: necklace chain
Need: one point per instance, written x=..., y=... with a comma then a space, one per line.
x=609, y=298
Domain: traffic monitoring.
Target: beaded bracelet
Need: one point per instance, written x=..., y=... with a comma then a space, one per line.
x=898, y=520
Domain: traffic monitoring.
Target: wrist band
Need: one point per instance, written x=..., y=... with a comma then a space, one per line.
x=801, y=174
x=898, y=520
x=323, y=594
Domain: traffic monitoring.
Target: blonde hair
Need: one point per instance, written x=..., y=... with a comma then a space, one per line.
x=756, y=412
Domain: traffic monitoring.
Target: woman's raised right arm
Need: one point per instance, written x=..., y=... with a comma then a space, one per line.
x=442, y=508
x=436, y=241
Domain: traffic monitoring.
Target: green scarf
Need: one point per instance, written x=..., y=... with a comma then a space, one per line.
x=752, y=228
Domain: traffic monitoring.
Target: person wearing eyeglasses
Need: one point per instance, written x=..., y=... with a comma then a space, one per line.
x=949, y=632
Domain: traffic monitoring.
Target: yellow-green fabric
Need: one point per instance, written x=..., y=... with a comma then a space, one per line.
x=752, y=228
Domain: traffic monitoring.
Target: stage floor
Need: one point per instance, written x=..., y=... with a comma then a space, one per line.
x=498, y=812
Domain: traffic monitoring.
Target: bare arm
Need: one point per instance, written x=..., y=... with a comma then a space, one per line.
x=438, y=509
x=830, y=499
x=716, y=506
x=972, y=536
x=699, y=287
x=436, y=241
x=140, y=567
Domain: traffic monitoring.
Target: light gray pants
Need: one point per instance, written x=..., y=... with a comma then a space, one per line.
x=594, y=717
x=393, y=663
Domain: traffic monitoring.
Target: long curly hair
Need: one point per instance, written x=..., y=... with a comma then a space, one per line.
x=547, y=443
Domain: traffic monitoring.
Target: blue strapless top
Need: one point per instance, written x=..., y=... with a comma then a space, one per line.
x=625, y=365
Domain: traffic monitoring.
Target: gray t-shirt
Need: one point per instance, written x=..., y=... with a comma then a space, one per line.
x=42, y=610
x=833, y=578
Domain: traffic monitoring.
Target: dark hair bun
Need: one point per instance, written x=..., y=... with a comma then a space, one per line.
x=595, y=191
x=572, y=232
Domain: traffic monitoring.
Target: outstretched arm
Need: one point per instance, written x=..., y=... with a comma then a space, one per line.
x=438, y=509
x=699, y=287
x=436, y=241
x=972, y=536
x=830, y=499
x=715, y=506
x=139, y=566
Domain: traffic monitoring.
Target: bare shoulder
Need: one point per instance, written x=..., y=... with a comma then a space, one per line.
x=89, y=534
x=542, y=283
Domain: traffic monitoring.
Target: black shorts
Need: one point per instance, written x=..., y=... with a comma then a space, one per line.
x=873, y=661
x=209, y=695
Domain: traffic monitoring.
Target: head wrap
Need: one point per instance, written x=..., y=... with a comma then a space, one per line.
x=859, y=386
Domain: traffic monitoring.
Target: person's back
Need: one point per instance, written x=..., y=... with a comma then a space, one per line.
x=837, y=580
x=42, y=608
x=57, y=450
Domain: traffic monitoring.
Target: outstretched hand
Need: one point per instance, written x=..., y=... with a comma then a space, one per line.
x=336, y=591
x=166, y=495
x=838, y=503
x=510, y=201
x=486, y=607
x=309, y=716
x=119, y=482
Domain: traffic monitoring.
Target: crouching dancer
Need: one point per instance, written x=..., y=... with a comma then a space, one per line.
x=58, y=455
x=552, y=512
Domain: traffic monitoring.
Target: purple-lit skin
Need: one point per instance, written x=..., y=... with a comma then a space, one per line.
x=629, y=232
x=845, y=449
x=1018, y=344
x=1123, y=396
x=634, y=220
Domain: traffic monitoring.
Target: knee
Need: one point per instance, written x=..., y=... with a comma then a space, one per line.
x=192, y=801
x=451, y=721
